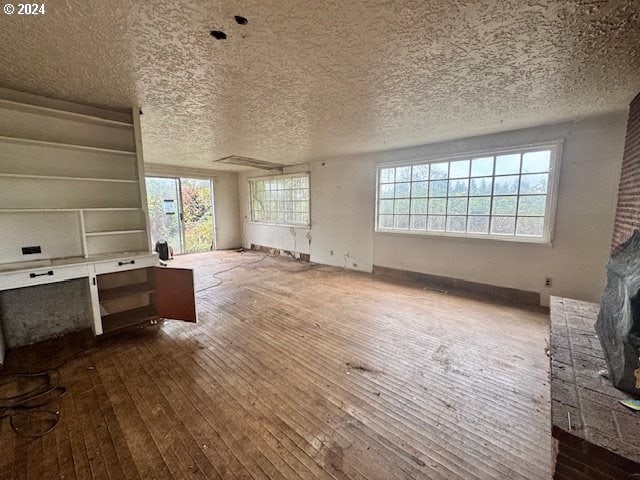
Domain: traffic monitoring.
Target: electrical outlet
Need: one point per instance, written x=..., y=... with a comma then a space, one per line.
x=548, y=281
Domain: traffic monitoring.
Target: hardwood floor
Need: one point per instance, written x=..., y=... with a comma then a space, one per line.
x=300, y=371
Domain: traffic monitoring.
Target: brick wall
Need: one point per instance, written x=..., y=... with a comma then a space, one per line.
x=628, y=210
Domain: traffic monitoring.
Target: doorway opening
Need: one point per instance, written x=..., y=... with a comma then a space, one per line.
x=181, y=213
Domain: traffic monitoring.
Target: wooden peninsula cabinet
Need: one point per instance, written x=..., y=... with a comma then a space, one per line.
x=133, y=297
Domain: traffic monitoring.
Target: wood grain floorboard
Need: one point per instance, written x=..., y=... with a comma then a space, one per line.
x=299, y=371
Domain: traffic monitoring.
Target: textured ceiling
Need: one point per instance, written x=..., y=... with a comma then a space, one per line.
x=311, y=79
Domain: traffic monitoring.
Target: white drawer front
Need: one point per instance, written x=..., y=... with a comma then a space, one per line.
x=125, y=263
x=41, y=276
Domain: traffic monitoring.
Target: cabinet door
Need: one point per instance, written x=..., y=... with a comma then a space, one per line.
x=175, y=296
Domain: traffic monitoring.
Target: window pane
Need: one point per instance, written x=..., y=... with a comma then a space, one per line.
x=438, y=188
x=534, y=205
x=279, y=200
x=479, y=205
x=459, y=169
x=505, y=185
x=419, y=205
x=386, y=206
x=403, y=174
x=386, y=221
x=482, y=167
x=439, y=171
x=504, y=205
x=386, y=191
x=481, y=186
x=478, y=225
x=457, y=206
x=502, y=195
x=401, y=222
x=534, y=183
x=402, y=190
x=304, y=182
x=530, y=226
x=533, y=162
x=420, y=172
x=418, y=222
x=437, y=206
x=503, y=225
x=436, y=223
x=507, y=164
x=387, y=175
x=401, y=206
x=456, y=224
x=458, y=188
x=419, y=189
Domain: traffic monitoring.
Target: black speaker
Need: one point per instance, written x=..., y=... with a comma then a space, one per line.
x=162, y=247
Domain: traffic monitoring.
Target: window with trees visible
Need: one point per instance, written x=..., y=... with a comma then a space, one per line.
x=280, y=200
x=506, y=195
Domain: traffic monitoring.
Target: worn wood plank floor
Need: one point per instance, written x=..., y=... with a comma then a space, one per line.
x=300, y=371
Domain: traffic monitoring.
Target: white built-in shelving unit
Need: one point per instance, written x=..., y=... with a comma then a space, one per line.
x=69, y=182
x=73, y=205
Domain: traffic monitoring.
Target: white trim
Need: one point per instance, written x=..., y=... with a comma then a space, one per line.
x=528, y=147
x=287, y=225
x=114, y=232
x=551, y=197
x=284, y=175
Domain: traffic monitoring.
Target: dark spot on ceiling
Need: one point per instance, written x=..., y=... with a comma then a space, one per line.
x=240, y=20
x=218, y=34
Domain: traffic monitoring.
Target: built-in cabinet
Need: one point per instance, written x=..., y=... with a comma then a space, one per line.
x=73, y=205
x=69, y=184
x=141, y=295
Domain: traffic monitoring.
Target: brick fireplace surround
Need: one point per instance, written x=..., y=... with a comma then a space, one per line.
x=597, y=437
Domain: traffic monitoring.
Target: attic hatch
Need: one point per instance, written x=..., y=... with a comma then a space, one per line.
x=249, y=162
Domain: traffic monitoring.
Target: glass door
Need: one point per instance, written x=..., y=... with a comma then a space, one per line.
x=197, y=215
x=163, y=201
x=181, y=212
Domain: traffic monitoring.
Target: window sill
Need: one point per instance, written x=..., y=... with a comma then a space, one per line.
x=465, y=236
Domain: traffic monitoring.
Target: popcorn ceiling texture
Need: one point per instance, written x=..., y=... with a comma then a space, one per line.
x=308, y=79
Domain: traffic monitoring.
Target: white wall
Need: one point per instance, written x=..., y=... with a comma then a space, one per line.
x=226, y=202
x=343, y=199
x=292, y=239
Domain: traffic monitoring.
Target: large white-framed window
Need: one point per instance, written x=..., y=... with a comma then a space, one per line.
x=502, y=194
x=280, y=200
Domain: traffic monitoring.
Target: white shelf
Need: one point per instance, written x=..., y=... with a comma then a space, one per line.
x=113, y=232
x=66, y=145
x=54, y=210
x=30, y=108
x=55, y=177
